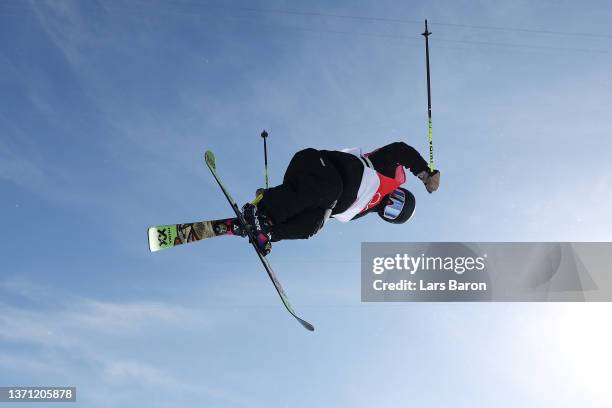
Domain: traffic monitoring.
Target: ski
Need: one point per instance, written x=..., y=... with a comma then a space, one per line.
x=209, y=157
x=168, y=236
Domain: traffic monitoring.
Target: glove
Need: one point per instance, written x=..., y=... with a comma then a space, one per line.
x=431, y=179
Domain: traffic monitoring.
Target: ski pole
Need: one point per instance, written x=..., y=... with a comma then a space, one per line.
x=259, y=196
x=426, y=34
x=264, y=135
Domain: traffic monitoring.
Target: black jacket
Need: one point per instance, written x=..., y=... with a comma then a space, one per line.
x=385, y=160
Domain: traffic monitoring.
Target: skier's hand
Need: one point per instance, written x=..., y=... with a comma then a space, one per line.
x=259, y=192
x=431, y=179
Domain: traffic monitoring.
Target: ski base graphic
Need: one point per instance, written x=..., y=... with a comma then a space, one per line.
x=168, y=236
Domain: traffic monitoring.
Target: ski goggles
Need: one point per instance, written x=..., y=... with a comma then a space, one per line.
x=395, y=204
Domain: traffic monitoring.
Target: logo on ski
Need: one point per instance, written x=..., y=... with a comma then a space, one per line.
x=220, y=229
x=162, y=237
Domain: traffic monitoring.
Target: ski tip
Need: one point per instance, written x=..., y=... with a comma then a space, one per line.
x=306, y=325
x=209, y=157
x=153, y=241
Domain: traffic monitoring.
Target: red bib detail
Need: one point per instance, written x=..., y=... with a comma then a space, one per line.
x=387, y=185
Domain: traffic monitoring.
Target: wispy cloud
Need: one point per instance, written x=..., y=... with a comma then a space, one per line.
x=67, y=321
x=80, y=335
x=66, y=27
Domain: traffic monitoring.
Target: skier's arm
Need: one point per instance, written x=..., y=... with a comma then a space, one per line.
x=388, y=157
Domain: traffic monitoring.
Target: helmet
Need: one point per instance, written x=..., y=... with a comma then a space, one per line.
x=397, y=207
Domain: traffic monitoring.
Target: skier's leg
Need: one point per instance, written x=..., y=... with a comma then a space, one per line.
x=310, y=182
x=301, y=226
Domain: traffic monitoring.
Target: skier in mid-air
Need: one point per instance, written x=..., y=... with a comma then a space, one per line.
x=317, y=185
x=345, y=185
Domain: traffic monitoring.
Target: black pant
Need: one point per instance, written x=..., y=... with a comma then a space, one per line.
x=310, y=186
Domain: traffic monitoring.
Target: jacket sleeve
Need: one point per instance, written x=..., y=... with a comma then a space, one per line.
x=388, y=157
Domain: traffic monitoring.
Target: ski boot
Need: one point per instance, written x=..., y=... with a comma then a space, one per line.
x=260, y=225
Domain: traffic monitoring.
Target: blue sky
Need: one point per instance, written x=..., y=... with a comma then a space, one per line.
x=108, y=106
